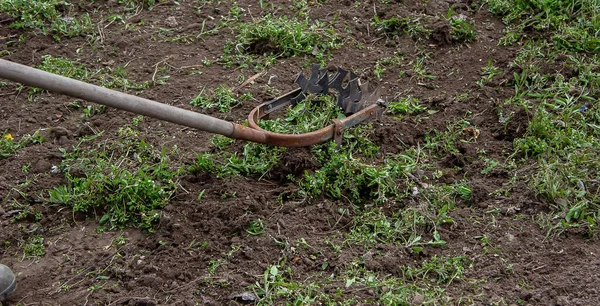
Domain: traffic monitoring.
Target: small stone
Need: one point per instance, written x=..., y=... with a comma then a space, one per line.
x=418, y=299
x=510, y=237
x=41, y=166
x=63, y=140
x=171, y=22
x=60, y=131
x=562, y=301
x=244, y=297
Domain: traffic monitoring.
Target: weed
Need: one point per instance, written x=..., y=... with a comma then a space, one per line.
x=411, y=26
x=46, y=17
x=461, y=29
x=125, y=192
x=273, y=37
x=33, y=247
x=405, y=106
x=8, y=145
x=221, y=142
x=488, y=73
x=256, y=227
x=213, y=265
x=223, y=99
x=342, y=175
x=107, y=77
x=441, y=270
x=572, y=25
x=420, y=69
x=277, y=285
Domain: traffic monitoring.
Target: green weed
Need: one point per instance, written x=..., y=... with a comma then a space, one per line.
x=46, y=17
x=395, y=26
x=562, y=135
x=33, y=247
x=274, y=37
x=488, y=73
x=8, y=145
x=256, y=227
x=128, y=191
x=223, y=99
x=462, y=30
x=440, y=270
x=106, y=77
x=255, y=160
x=572, y=25
x=405, y=106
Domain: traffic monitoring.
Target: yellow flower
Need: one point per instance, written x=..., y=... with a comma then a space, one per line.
x=8, y=137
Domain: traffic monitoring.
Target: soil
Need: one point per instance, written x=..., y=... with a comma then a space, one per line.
x=162, y=268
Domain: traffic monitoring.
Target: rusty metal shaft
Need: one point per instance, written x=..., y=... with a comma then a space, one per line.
x=59, y=84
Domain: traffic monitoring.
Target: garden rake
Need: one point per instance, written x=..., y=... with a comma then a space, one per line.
x=353, y=97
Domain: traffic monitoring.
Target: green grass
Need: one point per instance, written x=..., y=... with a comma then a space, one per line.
x=572, y=26
x=33, y=247
x=223, y=99
x=123, y=183
x=562, y=136
x=405, y=106
x=106, y=77
x=414, y=27
x=272, y=37
x=46, y=17
x=461, y=29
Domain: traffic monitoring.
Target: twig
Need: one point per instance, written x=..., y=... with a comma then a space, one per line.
x=156, y=71
x=250, y=80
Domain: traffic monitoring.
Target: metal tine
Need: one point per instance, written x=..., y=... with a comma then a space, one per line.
x=338, y=78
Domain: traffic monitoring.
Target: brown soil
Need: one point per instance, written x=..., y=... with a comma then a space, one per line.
x=161, y=268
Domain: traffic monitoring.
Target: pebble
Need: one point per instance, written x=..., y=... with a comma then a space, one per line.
x=418, y=299
x=171, y=22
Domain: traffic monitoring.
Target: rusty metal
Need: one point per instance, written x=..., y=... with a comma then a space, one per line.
x=353, y=98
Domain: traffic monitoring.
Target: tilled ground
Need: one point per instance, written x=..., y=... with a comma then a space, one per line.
x=517, y=264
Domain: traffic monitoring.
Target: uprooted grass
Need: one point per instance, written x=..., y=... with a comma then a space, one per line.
x=427, y=280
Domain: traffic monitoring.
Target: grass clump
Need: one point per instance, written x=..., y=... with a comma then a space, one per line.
x=33, y=247
x=405, y=106
x=395, y=26
x=275, y=37
x=563, y=138
x=254, y=160
x=440, y=270
x=223, y=99
x=125, y=191
x=461, y=29
x=314, y=113
x=106, y=77
x=573, y=25
x=428, y=280
x=46, y=17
